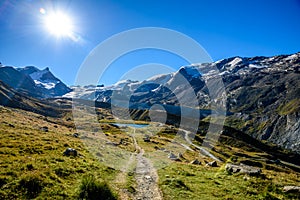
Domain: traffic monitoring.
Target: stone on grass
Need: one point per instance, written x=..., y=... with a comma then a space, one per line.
x=45, y=129
x=196, y=162
x=291, y=189
x=76, y=135
x=172, y=156
x=70, y=152
x=146, y=138
x=212, y=164
x=243, y=169
x=112, y=143
x=180, y=156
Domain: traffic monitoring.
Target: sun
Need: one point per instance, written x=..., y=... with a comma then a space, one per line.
x=58, y=23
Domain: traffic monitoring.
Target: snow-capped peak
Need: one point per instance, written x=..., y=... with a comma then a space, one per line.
x=44, y=78
x=160, y=79
x=234, y=62
x=192, y=70
x=37, y=75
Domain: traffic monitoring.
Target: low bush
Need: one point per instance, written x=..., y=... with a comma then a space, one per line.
x=32, y=184
x=91, y=189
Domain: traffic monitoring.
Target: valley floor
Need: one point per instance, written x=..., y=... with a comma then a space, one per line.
x=153, y=162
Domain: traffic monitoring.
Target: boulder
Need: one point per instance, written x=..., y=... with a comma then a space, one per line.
x=180, y=156
x=45, y=129
x=276, y=161
x=291, y=189
x=196, y=162
x=243, y=169
x=146, y=138
x=172, y=156
x=70, y=152
x=76, y=135
x=212, y=164
x=122, y=141
x=112, y=143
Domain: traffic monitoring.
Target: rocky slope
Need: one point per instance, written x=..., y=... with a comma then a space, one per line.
x=262, y=94
x=14, y=99
x=33, y=82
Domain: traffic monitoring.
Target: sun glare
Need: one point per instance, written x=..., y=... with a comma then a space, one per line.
x=58, y=23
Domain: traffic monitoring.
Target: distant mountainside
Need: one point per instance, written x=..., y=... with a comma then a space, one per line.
x=14, y=99
x=33, y=82
x=263, y=94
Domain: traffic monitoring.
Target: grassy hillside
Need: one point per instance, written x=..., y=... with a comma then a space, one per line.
x=32, y=162
x=33, y=165
x=183, y=180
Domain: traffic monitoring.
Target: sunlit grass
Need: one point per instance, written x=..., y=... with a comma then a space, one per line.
x=33, y=165
x=32, y=161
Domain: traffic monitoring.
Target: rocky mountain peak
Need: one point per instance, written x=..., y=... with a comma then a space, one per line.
x=33, y=81
x=262, y=94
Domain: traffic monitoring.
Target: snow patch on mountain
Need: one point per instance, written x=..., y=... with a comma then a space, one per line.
x=234, y=62
x=292, y=57
x=161, y=79
x=47, y=85
x=192, y=71
x=38, y=74
x=119, y=85
x=257, y=66
x=81, y=92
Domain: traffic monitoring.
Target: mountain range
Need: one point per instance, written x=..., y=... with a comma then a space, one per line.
x=262, y=94
x=256, y=156
x=33, y=81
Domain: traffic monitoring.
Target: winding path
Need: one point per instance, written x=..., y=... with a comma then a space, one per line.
x=201, y=149
x=146, y=177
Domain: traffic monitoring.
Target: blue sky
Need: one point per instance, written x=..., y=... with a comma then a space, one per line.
x=223, y=28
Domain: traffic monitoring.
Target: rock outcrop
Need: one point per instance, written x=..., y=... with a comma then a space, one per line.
x=243, y=169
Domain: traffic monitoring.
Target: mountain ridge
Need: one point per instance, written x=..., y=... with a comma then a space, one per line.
x=262, y=94
x=33, y=81
x=14, y=99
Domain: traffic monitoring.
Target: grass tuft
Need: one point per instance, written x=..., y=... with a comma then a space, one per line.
x=32, y=184
x=92, y=189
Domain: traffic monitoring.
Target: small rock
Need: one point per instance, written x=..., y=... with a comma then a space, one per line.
x=291, y=189
x=246, y=178
x=111, y=143
x=114, y=125
x=243, y=169
x=196, y=162
x=45, y=129
x=76, y=135
x=173, y=157
x=122, y=141
x=273, y=161
x=180, y=156
x=70, y=152
x=167, y=151
x=146, y=138
x=212, y=164
x=98, y=154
